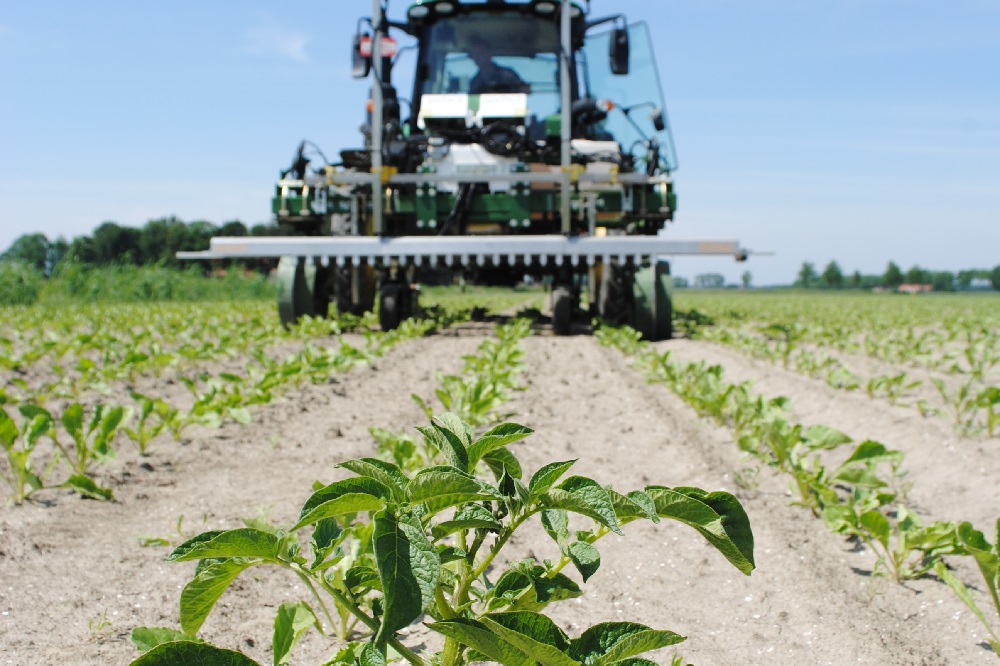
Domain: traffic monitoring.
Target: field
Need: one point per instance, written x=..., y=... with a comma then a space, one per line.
x=859, y=433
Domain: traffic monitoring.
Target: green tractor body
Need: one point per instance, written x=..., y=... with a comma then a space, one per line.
x=508, y=161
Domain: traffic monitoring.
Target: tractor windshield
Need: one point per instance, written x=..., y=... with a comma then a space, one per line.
x=638, y=97
x=490, y=52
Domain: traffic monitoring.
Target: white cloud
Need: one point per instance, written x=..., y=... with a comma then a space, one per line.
x=270, y=39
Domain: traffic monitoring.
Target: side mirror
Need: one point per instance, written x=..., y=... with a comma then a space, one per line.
x=659, y=122
x=361, y=63
x=619, y=51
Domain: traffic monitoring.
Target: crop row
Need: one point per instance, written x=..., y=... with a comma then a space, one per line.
x=959, y=357
x=420, y=530
x=49, y=448
x=863, y=497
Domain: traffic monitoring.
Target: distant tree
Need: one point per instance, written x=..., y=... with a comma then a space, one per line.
x=964, y=280
x=746, y=279
x=995, y=278
x=31, y=250
x=709, y=281
x=855, y=281
x=113, y=244
x=58, y=250
x=199, y=234
x=917, y=275
x=233, y=228
x=680, y=282
x=893, y=276
x=160, y=240
x=807, y=275
x=832, y=276
x=943, y=281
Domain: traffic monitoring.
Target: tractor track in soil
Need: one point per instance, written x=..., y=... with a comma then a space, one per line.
x=66, y=562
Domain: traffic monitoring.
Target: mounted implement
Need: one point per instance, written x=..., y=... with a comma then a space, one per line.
x=535, y=143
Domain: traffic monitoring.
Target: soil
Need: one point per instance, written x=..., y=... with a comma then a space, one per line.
x=75, y=578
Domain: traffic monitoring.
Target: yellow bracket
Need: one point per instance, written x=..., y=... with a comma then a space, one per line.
x=574, y=172
x=387, y=173
x=330, y=171
x=613, y=174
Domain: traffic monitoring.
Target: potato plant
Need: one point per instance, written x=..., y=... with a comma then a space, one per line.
x=436, y=538
x=987, y=556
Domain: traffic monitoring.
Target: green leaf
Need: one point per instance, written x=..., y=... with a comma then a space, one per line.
x=579, y=494
x=87, y=487
x=339, y=506
x=195, y=540
x=872, y=452
x=241, y=415
x=586, y=558
x=290, y=623
x=495, y=438
x=191, y=653
x=339, y=488
x=449, y=445
x=615, y=641
x=362, y=578
x=556, y=524
x=8, y=430
x=372, y=655
x=147, y=638
x=961, y=591
x=718, y=517
x=455, y=425
x=324, y=539
x=386, y=473
x=72, y=420
x=877, y=526
x=547, y=476
x=502, y=460
x=408, y=567
x=441, y=487
x=242, y=542
x=821, y=437
x=470, y=517
x=986, y=556
x=199, y=596
x=533, y=634
x=636, y=505
x=478, y=637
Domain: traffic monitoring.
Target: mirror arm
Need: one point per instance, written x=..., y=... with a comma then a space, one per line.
x=602, y=21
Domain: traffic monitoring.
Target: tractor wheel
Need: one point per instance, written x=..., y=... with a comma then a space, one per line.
x=303, y=290
x=353, y=289
x=614, y=298
x=342, y=288
x=391, y=305
x=562, y=309
x=652, y=309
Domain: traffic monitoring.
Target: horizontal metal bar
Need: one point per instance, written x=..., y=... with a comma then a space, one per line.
x=463, y=249
x=359, y=178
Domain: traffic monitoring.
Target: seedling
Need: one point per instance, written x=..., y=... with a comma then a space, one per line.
x=433, y=538
x=987, y=557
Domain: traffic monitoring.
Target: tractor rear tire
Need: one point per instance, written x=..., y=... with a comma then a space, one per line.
x=614, y=298
x=303, y=290
x=562, y=310
x=394, y=305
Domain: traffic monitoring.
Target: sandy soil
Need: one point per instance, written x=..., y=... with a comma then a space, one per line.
x=65, y=563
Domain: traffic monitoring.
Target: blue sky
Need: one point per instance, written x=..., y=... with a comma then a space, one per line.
x=860, y=131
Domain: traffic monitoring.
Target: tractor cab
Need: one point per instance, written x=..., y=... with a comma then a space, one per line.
x=505, y=139
x=488, y=74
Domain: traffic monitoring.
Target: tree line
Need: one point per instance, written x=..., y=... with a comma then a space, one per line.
x=155, y=243
x=833, y=277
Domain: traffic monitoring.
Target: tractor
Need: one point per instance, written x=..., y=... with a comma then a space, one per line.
x=534, y=145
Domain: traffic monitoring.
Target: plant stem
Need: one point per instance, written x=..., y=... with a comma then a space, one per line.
x=373, y=624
